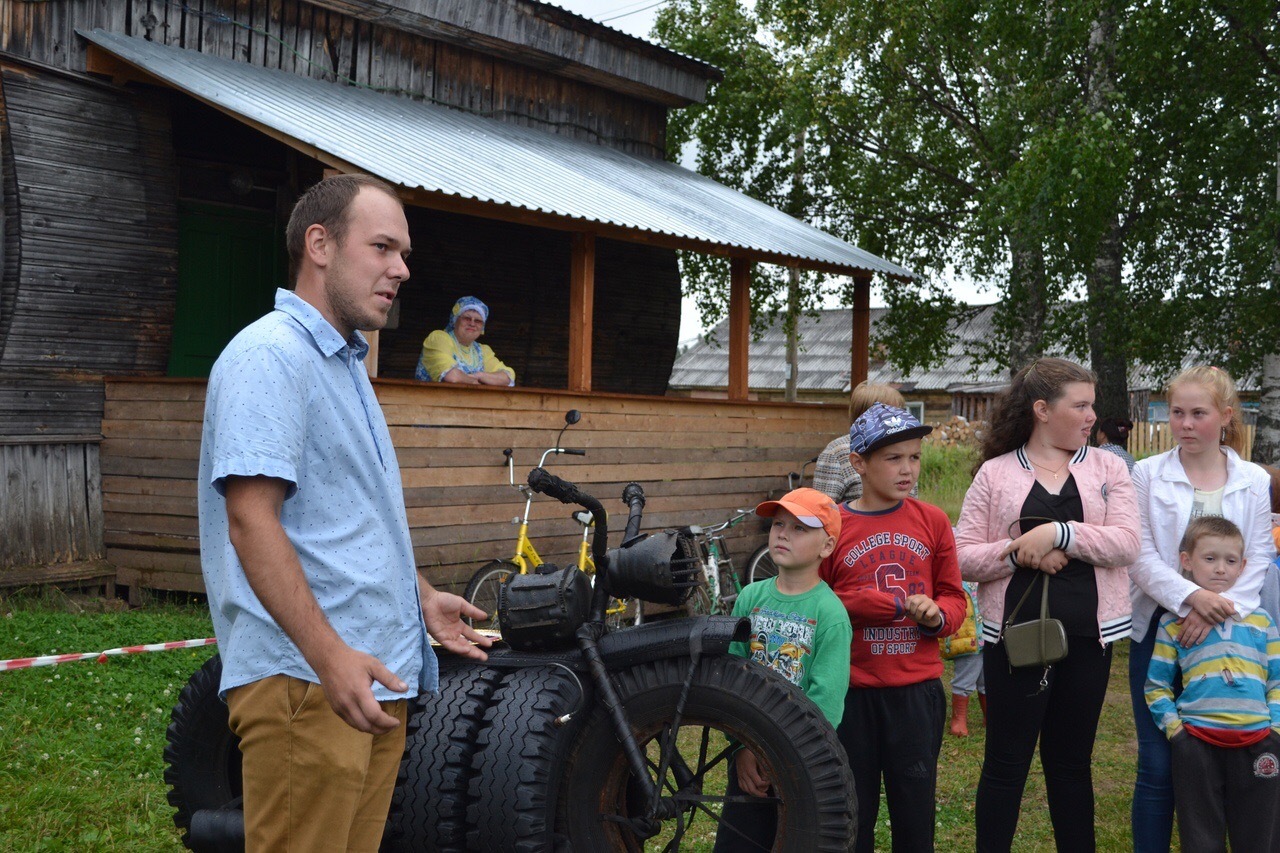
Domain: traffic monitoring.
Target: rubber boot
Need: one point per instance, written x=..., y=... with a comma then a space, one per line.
x=959, y=715
x=982, y=700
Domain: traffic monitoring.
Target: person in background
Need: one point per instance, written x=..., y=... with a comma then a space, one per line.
x=455, y=354
x=1045, y=508
x=1113, y=437
x=834, y=475
x=964, y=650
x=1270, y=593
x=1203, y=475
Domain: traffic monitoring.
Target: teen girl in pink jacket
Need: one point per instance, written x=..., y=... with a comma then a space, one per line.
x=1108, y=539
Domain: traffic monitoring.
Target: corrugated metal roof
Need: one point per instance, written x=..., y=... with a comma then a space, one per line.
x=825, y=339
x=434, y=148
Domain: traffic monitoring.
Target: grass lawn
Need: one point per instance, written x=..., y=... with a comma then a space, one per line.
x=81, y=767
x=82, y=761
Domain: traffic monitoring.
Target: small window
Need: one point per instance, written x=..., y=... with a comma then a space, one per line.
x=916, y=409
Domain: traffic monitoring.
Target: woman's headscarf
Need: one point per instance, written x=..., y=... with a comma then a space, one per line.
x=467, y=303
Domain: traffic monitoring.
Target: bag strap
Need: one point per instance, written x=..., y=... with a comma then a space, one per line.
x=1044, y=618
x=1044, y=609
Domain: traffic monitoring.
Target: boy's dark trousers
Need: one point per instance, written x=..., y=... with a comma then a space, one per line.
x=1219, y=791
x=895, y=732
x=745, y=826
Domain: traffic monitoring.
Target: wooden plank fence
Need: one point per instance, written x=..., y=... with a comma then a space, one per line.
x=1149, y=438
x=698, y=460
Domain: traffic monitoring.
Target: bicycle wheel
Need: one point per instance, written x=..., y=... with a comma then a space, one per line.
x=699, y=601
x=759, y=566
x=731, y=701
x=482, y=590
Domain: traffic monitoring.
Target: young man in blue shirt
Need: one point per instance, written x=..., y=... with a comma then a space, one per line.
x=320, y=614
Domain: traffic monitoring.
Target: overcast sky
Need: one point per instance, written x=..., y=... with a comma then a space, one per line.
x=636, y=17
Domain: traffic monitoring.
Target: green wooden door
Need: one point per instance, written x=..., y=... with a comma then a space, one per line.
x=230, y=262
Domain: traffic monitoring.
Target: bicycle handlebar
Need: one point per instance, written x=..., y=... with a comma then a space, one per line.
x=573, y=452
x=546, y=483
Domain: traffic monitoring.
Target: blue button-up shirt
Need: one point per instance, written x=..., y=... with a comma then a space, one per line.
x=289, y=398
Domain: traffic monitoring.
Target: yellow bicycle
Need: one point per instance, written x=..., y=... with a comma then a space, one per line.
x=482, y=589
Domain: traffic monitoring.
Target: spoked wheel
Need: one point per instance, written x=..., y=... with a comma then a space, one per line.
x=731, y=701
x=699, y=602
x=482, y=590
x=759, y=566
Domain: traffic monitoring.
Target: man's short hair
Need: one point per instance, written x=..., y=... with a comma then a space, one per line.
x=327, y=204
x=1209, y=525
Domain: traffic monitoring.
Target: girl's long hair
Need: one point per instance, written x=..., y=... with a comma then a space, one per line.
x=1012, y=417
x=1222, y=390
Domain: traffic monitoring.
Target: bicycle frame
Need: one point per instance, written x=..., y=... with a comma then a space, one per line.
x=526, y=556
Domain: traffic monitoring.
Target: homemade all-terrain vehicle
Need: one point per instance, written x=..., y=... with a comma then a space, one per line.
x=571, y=737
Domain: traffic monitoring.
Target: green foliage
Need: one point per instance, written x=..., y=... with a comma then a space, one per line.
x=82, y=765
x=1033, y=145
x=945, y=475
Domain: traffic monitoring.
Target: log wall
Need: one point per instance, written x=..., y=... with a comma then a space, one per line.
x=301, y=38
x=697, y=460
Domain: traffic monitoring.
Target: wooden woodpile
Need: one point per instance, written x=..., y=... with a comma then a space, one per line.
x=955, y=432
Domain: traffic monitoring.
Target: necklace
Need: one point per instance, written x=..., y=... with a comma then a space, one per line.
x=1054, y=471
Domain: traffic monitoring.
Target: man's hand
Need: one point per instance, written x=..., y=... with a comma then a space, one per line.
x=751, y=776
x=923, y=610
x=1032, y=547
x=347, y=677
x=444, y=613
x=1194, y=628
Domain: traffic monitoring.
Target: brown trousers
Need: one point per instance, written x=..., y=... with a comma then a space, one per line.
x=311, y=782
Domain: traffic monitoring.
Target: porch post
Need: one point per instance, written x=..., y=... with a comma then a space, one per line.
x=582, y=277
x=739, y=325
x=860, y=349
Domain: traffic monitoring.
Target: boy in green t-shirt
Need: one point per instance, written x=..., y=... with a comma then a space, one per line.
x=799, y=629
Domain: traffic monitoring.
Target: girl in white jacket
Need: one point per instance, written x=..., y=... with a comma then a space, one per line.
x=1203, y=475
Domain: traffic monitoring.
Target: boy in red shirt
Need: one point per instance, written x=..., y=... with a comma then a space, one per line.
x=895, y=570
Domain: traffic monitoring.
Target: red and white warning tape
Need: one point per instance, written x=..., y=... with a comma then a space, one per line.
x=101, y=657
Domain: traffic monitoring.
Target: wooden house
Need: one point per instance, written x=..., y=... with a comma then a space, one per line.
x=960, y=385
x=150, y=153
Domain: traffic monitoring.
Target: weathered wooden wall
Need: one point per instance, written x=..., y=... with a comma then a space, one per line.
x=90, y=247
x=697, y=460
x=301, y=38
x=50, y=508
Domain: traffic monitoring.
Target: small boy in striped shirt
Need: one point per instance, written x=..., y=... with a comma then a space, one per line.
x=1224, y=729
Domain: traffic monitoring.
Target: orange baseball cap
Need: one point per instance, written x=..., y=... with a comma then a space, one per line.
x=811, y=507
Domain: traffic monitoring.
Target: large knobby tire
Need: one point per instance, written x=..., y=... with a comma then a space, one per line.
x=482, y=590
x=731, y=698
x=519, y=762
x=760, y=566
x=429, y=809
x=202, y=756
